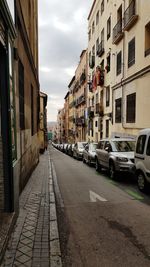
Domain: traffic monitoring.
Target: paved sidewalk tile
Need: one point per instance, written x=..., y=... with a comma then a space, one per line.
x=29, y=244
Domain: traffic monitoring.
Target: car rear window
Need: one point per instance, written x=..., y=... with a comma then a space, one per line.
x=140, y=144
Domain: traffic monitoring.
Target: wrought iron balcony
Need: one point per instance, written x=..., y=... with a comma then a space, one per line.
x=100, y=50
x=117, y=32
x=130, y=16
x=80, y=121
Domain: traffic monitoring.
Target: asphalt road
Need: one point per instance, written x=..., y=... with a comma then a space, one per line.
x=101, y=222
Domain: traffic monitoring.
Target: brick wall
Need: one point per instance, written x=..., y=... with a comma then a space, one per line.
x=1, y=177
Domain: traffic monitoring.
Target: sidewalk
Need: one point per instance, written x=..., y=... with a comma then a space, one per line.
x=35, y=240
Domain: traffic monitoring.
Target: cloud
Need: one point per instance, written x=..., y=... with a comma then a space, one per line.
x=62, y=37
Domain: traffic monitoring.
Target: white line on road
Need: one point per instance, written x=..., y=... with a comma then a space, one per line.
x=94, y=197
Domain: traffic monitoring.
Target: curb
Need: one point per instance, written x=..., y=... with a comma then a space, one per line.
x=55, y=253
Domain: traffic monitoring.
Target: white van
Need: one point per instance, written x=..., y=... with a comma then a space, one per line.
x=142, y=159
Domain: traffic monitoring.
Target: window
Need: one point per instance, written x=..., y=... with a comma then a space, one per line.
x=102, y=65
x=119, y=56
x=97, y=17
x=93, y=27
x=107, y=128
x=97, y=44
x=131, y=53
x=21, y=95
x=12, y=104
x=96, y=98
x=102, y=35
x=93, y=50
x=95, y=123
x=89, y=35
x=108, y=28
x=148, y=147
x=147, y=39
x=102, y=7
x=140, y=144
x=11, y=8
x=118, y=110
x=131, y=108
x=108, y=64
x=107, y=96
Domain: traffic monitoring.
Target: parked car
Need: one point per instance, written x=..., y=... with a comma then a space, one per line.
x=70, y=150
x=64, y=148
x=117, y=155
x=78, y=149
x=89, y=153
x=67, y=148
x=142, y=160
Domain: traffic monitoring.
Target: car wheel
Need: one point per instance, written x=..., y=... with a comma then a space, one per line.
x=97, y=166
x=112, y=171
x=142, y=183
x=83, y=159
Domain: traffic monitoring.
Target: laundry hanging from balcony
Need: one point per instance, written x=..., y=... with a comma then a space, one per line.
x=98, y=78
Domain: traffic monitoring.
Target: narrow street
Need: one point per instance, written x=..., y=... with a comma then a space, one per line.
x=101, y=222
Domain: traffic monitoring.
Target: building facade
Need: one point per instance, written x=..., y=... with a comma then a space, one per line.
x=28, y=100
x=118, y=56
x=131, y=39
x=100, y=70
x=72, y=128
x=80, y=94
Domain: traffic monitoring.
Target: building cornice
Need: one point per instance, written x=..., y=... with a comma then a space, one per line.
x=131, y=78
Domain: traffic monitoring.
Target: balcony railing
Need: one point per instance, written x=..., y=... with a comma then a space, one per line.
x=100, y=50
x=117, y=32
x=130, y=16
x=80, y=121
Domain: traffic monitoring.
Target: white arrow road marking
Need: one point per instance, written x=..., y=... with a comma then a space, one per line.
x=94, y=197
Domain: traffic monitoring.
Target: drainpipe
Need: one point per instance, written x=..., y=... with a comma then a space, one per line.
x=123, y=71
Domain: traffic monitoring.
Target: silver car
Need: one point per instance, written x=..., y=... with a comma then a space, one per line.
x=89, y=153
x=78, y=150
x=117, y=155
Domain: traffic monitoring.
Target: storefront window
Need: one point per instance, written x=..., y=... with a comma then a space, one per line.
x=12, y=106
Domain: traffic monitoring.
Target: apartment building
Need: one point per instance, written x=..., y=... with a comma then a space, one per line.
x=66, y=106
x=100, y=70
x=61, y=135
x=131, y=49
x=80, y=94
x=71, y=133
x=118, y=51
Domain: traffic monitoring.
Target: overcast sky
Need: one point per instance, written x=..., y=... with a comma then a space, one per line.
x=62, y=37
